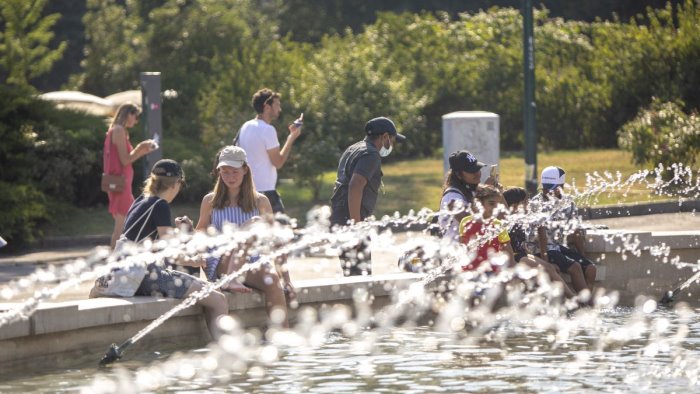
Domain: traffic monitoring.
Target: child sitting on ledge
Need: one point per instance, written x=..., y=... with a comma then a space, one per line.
x=488, y=234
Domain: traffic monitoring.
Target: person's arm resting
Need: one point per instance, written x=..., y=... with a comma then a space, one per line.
x=205, y=212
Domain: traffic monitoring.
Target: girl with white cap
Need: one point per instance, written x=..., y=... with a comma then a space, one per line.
x=235, y=201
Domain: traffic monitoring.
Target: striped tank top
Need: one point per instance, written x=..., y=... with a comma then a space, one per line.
x=219, y=217
x=233, y=215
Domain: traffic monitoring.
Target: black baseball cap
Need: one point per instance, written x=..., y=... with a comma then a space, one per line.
x=383, y=125
x=167, y=167
x=464, y=161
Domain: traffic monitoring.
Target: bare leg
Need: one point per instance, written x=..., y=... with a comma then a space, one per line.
x=266, y=280
x=215, y=305
x=229, y=264
x=551, y=271
x=577, y=278
x=590, y=273
x=283, y=273
x=579, y=241
x=118, y=227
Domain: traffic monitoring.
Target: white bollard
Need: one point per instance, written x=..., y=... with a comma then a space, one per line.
x=476, y=131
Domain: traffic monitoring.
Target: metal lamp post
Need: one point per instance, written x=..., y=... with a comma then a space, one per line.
x=529, y=99
x=153, y=128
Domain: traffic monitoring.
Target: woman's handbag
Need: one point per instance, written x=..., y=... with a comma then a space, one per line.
x=112, y=183
x=124, y=281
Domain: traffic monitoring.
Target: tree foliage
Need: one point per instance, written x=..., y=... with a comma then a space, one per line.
x=24, y=41
x=662, y=134
x=592, y=78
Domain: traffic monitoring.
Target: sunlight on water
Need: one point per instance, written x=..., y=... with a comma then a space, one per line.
x=448, y=332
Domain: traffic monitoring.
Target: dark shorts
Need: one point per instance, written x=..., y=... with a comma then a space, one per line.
x=275, y=200
x=165, y=282
x=356, y=260
x=565, y=258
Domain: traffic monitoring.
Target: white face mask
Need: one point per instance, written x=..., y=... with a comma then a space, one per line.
x=384, y=152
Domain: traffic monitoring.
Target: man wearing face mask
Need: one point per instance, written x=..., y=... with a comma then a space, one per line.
x=359, y=179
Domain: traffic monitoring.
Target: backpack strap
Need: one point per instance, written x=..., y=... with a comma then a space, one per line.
x=237, y=138
x=143, y=225
x=451, y=189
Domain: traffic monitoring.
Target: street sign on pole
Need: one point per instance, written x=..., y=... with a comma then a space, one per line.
x=529, y=99
x=152, y=111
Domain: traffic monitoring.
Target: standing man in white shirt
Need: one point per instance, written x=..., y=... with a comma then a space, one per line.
x=259, y=139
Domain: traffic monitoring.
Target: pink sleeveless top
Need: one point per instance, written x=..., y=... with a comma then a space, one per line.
x=119, y=203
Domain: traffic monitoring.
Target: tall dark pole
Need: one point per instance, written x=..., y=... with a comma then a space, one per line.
x=529, y=99
x=152, y=111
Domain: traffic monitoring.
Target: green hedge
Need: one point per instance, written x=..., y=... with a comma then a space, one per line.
x=48, y=156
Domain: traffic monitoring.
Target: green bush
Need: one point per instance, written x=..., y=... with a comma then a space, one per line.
x=47, y=156
x=199, y=180
x=23, y=214
x=662, y=134
x=592, y=78
x=69, y=145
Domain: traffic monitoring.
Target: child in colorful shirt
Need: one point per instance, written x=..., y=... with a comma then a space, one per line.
x=488, y=234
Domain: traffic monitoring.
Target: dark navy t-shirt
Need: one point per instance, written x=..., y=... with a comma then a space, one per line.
x=361, y=158
x=139, y=224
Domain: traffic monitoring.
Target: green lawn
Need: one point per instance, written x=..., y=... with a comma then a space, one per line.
x=408, y=185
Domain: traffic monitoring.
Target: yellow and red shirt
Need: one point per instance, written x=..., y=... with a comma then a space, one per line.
x=470, y=229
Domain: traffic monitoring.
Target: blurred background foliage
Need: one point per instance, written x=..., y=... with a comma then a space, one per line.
x=598, y=64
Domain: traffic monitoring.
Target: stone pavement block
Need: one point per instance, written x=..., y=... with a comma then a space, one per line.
x=678, y=240
x=325, y=290
x=15, y=329
x=239, y=301
x=55, y=317
x=609, y=241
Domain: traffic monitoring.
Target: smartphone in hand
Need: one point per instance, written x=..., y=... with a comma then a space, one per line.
x=494, y=171
x=299, y=121
x=156, y=141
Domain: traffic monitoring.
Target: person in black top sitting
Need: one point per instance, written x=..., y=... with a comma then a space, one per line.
x=516, y=198
x=149, y=217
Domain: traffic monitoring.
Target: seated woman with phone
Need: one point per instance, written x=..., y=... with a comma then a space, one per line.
x=462, y=180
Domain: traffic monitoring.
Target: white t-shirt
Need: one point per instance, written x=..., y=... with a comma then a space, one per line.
x=256, y=138
x=448, y=222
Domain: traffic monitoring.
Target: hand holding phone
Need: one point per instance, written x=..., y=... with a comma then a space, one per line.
x=494, y=171
x=155, y=144
x=184, y=221
x=299, y=121
x=493, y=175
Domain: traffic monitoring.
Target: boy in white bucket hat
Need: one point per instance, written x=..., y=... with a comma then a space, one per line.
x=560, y=213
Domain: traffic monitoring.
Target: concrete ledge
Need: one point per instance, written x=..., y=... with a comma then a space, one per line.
x=65, y=331
x=74, y=315
x=614, y=241
x=13, y=330
x=639, y=209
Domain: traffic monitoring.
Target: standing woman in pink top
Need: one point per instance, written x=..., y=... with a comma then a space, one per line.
x=118, y=154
